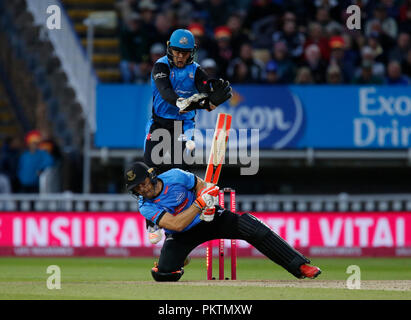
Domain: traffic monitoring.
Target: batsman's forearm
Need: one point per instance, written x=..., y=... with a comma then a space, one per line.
x=183, y=219
x=180, y=221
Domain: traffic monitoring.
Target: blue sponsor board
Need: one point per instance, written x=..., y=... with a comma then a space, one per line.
x=121, y=115
x=286, y=117
x=355, y=117
x=273, y=110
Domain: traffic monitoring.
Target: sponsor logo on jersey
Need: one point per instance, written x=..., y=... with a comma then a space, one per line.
x=180, y=196
x=159, y=75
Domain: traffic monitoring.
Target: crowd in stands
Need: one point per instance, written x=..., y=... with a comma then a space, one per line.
x=20, y=167
x=273, y=41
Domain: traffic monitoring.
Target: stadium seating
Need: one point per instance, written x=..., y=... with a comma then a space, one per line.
x=106, y=45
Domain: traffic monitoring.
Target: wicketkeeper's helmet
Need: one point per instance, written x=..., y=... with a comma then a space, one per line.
x=181, y=40
x=136, y=173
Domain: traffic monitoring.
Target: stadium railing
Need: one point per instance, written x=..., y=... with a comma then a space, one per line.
x=343, y=202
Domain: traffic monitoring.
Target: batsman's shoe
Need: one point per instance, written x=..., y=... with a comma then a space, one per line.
x=166, y=276
x=309, y=271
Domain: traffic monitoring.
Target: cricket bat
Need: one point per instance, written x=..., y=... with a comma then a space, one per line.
x=218, y=148
x=214, y=164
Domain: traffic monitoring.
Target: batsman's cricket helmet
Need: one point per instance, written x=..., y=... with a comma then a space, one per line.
x=181, y=40
x=136, y=173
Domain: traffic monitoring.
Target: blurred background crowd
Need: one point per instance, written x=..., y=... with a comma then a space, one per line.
x=22, y=164
x=244, y=41
x=273, y=41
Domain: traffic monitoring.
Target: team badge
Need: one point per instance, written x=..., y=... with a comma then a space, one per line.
x=131, y=175
x=183, y=40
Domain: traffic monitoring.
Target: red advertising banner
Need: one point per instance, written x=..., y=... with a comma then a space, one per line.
x=124, y=234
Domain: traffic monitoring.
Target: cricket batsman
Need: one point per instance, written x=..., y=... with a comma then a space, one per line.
x=180, y=87
x=185, y=206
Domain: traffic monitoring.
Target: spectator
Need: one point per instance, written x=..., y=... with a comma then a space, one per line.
x=395, y=76
x=334, y=75
x=392, y=8
x=404, y=9
x=405, y=24
x=218, y=12
x=157, y=51
x=261, y=9
x=316, y=36
x=31, y=163
x=331, y=6
x=330, y=26
x=181, y=9
x=291, y=37
x=351, y=55
x=126, y=8
x=338, y=57
x=314, y=62
x=10, y=153
x=224, y=51
x=134, y=46
x=285, y=66
x=49, y=145
x=238, y=36
x=205, y=46
x=377, y=49
x=147, y=12
x=210, y=67
x=271, y=73
x=381, y=23
x=399, y=52
x=367, y=55
x=240, y=73
x=406, y=65
x=304, y=76
x=255, y=68
x=366, y=76
x=163, y=28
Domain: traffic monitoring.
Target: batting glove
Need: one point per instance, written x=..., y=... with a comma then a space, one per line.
x=207, y=214
x=208, y=198
x=201, y=191
x=154, y=234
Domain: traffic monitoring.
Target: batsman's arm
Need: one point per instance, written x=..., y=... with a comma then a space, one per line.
x=180, y=221
x=183, y=219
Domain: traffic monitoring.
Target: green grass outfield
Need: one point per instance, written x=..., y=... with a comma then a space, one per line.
x=130, y=278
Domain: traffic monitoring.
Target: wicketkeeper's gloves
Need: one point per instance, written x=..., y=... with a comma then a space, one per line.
x=196, y=101
x=219, y=91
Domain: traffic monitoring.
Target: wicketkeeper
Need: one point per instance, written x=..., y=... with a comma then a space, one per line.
x=185, y=206
x=180, y=87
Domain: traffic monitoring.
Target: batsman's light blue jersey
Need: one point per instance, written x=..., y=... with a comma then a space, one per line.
x=177, y=195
